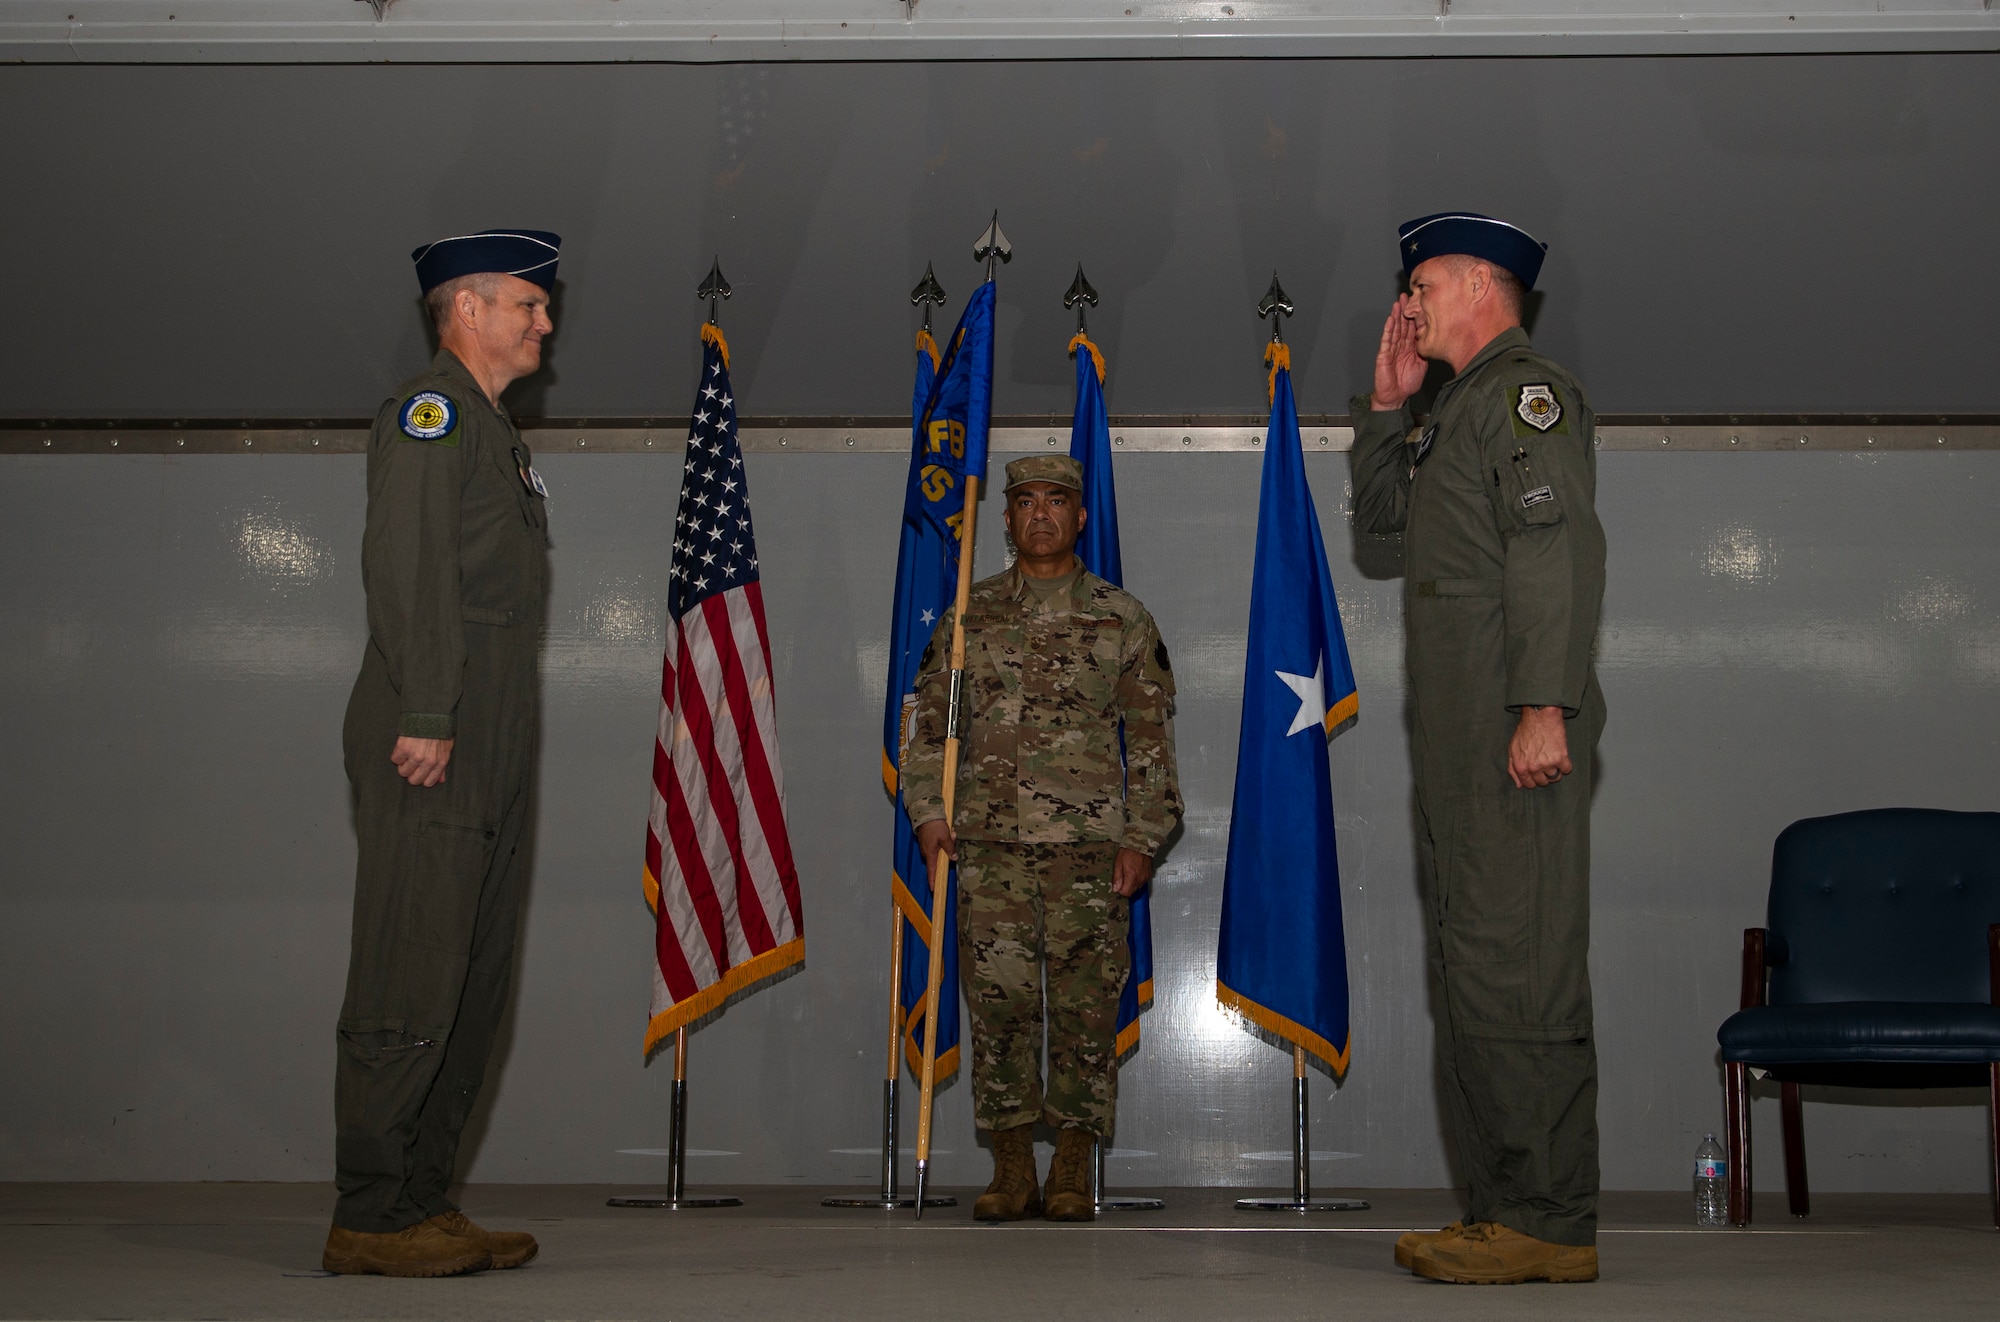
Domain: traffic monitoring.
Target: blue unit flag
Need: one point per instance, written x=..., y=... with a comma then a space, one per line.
x=1090, y=445
x=926, y=580
x=958, y=413
x=1281, y=960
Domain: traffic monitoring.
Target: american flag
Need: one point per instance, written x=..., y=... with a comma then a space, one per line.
x=719, y=871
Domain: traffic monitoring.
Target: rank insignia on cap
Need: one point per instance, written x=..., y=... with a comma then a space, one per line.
x=429, y=416
x=1537, y=406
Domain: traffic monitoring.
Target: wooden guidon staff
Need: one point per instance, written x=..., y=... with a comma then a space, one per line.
x=992, y=248
x=941, y=864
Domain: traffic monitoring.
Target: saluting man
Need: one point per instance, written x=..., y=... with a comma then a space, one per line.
x=1504, y=574
x=440, y=745
x=1053, y=836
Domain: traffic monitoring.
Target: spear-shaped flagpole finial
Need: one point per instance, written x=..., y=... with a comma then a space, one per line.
x=712, y=289
x=992, y=244
x=1274, y=301
x=1080, y=293
x=928, y=293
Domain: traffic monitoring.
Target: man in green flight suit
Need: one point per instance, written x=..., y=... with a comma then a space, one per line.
x=1504, y=573
x=440, y=742
x=1052, y=834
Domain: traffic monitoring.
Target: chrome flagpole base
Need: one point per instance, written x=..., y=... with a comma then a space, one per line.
x=923, y=1177
x=1112, y=1203
x=676, y=1199
x=880, y=1203
x=1294, y=1205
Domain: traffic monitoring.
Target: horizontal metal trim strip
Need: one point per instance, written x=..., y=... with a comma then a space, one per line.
x=48, y=33
x=887, y=436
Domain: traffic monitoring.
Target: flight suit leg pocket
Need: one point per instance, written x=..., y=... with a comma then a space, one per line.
x=1494, y=871
x=453, y=853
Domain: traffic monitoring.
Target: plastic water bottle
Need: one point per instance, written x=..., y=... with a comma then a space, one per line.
x=1711, y=1184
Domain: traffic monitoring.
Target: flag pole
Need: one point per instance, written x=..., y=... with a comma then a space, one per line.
x=927, y=293
x=992, y=248
x=1082, y=294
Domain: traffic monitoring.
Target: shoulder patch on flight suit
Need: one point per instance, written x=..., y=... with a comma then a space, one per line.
x=1538, y=410
x=430, y=416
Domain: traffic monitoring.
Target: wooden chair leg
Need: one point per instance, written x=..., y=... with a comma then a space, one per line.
x=1793, y=1123
x=1736, y=1119
x=1993, y=1123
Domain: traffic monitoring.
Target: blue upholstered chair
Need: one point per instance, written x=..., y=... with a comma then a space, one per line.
x=1880, y=968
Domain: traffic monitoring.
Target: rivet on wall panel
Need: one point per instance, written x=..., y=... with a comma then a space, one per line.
x=850, y=440
x=1052, y=440
x=114, y=442
x=1322, y=440
x=1732, y=440
x=1187, y=440
x=1256, y=440
x=1118, y=440
x=1940, y=440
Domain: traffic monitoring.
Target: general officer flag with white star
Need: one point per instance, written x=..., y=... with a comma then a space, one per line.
x=719, y=871
x=1281, y=960
x=926, y=577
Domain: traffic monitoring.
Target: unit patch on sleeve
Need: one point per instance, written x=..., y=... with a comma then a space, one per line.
x=430, y=416
x=1538, y=407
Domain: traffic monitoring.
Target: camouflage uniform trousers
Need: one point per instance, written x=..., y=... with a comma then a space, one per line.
x=1021, y=908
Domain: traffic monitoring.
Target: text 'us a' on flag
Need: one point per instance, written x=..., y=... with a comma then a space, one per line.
x=1281, y=960
x=926, y=575
x=719, y=870
x=1097, y=547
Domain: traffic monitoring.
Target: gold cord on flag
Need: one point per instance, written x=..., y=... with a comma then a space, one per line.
x=1082, y=340
x=930, y=346
x=1279, y=355
x=712, y=334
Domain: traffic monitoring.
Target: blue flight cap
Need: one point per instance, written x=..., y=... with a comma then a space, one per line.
x=1506, y=246
x=529, y=254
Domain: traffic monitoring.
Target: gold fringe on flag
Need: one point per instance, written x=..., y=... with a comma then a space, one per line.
x=712, y=334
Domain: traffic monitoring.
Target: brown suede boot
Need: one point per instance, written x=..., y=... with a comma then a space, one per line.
x=508, y=1248
x=423, y=1249
x=1410, y=1241
x=1067, y=1195
x=1013, y=1194
x=1488, y=1253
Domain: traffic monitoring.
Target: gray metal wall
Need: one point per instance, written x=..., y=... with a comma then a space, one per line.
x=1785, y=634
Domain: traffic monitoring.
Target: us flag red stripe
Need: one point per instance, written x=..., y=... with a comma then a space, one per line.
x=719, y=870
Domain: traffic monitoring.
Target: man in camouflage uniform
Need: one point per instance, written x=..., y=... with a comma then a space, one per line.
x=1504, y=566
x=1052, y=835
x=440, y=744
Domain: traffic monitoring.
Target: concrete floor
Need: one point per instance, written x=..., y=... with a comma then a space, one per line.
x=251, y=1251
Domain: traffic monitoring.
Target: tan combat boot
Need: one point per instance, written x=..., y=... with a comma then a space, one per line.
x=1410, y=1241
x=508, y=1248
x=1488, y=1253
x=1067, y=1195
x=1013, y=1194
x=423, y=1249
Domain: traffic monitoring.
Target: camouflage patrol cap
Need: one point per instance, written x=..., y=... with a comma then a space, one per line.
x=1057, y=468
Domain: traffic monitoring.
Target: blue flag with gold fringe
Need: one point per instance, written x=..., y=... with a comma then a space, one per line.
x=1281, y=960
x=1097, y=547
x=926, y=579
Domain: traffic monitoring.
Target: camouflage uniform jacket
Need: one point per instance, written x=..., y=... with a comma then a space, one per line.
x=1045, y=690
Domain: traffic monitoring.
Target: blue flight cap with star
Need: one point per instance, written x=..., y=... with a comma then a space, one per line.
x=1508, y=247
x=529, y=254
